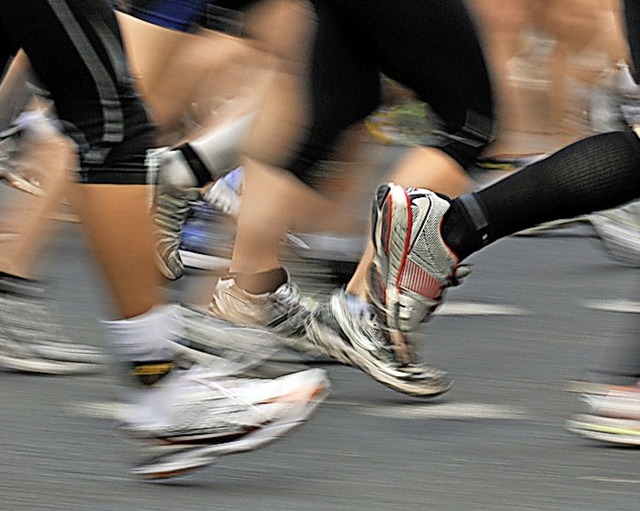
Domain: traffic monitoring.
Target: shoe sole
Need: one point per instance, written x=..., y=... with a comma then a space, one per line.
x=182, y=463
x=356, y=360
x=351, y=357
x=604, y=429
x=19, y=183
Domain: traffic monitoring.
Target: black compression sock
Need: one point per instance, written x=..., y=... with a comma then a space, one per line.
x=596, y=173
x=463, y=231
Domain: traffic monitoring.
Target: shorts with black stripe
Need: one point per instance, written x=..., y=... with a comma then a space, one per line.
x=76, y=51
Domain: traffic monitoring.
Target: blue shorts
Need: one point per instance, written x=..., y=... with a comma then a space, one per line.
x=182, y=15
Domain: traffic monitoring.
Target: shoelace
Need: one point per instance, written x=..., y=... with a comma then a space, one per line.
x=290, y=305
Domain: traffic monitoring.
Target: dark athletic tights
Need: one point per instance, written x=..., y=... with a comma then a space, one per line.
x=597, y=173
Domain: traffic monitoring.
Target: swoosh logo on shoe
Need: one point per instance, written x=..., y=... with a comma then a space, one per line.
x=416, y=230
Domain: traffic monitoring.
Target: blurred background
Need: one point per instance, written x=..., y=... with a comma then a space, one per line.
x=540, y=311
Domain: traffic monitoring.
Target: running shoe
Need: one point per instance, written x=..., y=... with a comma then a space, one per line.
x=225, y=194
x=31, y=336
x=412, y=266
x=355, y=337
x=209, y=232
x=282, y=312
x=194, y=231
x=190, y=418
x=207, y=238
x=10, y=171
x=619, y=231
x=409, y=123
x=171, y=211
x=209, y=341
x=613, y=415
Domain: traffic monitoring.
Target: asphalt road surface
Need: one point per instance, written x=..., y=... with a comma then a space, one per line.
x=527, y=321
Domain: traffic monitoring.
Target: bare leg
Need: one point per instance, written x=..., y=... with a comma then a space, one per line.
x=29, y=221
x=118, y=225
x=171, y=66
x=13, y=93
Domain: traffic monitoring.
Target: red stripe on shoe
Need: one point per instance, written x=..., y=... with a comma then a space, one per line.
x=407, y=238
x=417, y=280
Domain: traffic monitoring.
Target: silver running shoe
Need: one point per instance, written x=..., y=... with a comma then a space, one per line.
x=195, y=416
x=11, y=172
x=281, y=311
x=32, y=340
x=412, y=266
x=359, y=340
x=225, y=195
x=207, y=340
x=619, y=230
x=613, y=415
x=171, y=211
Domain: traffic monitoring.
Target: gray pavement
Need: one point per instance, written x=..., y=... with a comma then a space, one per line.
x=513, y=335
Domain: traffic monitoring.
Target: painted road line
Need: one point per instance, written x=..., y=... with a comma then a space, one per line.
x=446, y=411
x=587, y=387
x=108, y=410
x=612, y=305
x=478, y=309
x=113, y=410
x=610, y=479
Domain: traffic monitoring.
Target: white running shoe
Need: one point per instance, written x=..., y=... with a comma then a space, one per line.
x=412, y=266
x=225, y=194
x=619, y=230
x=171, y=211
x=32, y=339
x=357, y=338
x=195, y=416
x=283, y=312
x=613, y=415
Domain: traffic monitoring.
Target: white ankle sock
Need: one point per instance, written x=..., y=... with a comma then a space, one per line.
x=146, y=337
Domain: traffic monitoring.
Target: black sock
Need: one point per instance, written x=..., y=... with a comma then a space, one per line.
x=459, y=231
x=596, y=173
